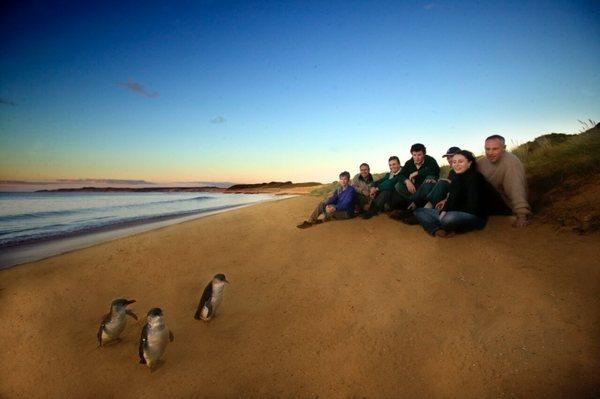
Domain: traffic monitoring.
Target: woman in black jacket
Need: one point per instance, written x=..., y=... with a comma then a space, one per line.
x=465, y=208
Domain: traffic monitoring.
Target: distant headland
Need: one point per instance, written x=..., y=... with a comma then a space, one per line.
x=272, y=187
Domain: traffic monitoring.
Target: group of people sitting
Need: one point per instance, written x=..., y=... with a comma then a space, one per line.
x=494, y=184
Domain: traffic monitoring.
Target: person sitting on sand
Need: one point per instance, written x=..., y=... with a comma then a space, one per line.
x=362, y=185
x=382, y=191
x=506, y=175
x=420, y=168
x=465, y=208
x=340, y=205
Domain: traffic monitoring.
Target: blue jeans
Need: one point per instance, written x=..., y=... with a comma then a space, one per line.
x=452, y=220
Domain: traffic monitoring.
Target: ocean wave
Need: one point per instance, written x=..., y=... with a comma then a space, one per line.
x=46, y=214
x=72, y=230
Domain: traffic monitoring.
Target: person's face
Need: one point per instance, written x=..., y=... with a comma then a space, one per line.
x=494, y=150
x=394, y=166
x=460, y=164
x=364, y=171
x=449, y=159
x=344, y=181
x=418, y=157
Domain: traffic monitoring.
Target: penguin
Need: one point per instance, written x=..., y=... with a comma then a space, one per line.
x=211, y=298
x=114, y=322
x=154, y=339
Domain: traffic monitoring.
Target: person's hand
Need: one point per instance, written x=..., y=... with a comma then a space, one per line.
x=440, y=205
x=413, y=175
x=373, y=192
x=330, y=209
x=410, y=186
x=429, y=181
x=442, y=214
x=522, y=221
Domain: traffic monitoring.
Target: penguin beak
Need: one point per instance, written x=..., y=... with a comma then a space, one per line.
x=130, y=302
x=226, y=281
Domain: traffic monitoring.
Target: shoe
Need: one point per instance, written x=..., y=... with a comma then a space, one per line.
x=367, y=215
x=441, y=233
x=400, y=214
x=318, y=221
x=410, y=220
x=305, y=225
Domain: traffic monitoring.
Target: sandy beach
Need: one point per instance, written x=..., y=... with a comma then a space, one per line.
x=356, y=308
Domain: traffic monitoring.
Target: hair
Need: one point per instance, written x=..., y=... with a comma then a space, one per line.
x=418, y=148
x=497, y=137
x=345, y=174
x=394, y=158
x=364, y=164
x=470, y=157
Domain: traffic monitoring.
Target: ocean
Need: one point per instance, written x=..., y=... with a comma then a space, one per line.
x=30, y=218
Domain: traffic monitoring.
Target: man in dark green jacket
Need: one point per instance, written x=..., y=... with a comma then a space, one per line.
x=382, y=190
x=416, y=171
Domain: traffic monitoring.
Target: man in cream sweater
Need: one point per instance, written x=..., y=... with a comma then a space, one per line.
x=505, y=172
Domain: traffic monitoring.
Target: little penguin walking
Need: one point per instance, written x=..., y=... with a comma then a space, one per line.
x=154, y=339
x=114, y=322
x=211, y=298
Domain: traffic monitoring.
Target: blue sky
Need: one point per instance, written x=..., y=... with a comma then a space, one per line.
x=259, y=91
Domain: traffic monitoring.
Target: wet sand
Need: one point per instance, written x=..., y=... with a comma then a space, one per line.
x=355, y=308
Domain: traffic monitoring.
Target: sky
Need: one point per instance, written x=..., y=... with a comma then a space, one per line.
x=260, y=91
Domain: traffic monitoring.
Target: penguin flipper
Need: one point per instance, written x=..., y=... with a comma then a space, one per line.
x=171, y=336
x=130, y=313
x=99, y=335
x=206, y=296
x=143, y=343
x=105, y=319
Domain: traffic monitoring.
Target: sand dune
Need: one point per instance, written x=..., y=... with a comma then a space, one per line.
x=346, y=309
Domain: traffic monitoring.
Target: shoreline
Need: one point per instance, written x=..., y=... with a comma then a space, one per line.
x=39, y=249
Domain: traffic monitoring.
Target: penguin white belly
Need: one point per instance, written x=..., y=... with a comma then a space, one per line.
x=156, y=345
x=114, y=328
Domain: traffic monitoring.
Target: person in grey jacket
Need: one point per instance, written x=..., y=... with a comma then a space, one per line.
x=362, y=183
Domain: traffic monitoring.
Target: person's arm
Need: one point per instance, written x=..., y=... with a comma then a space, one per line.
x=333, y=199
x=515, y=188
x=433, y=169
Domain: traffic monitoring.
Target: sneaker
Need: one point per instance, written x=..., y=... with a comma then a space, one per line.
x=410, y=220
x=367, y=215
x=305, y=225
x=400, y=214
x=441, y=233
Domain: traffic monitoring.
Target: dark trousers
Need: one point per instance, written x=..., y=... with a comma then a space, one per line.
x=438, y=192
x=320, y=210
x=385, y=199
x=429, y=191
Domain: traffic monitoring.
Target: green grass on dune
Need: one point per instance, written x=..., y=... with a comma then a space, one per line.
x=551, y=159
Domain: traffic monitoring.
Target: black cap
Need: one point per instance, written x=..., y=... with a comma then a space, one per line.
x=451, y=151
